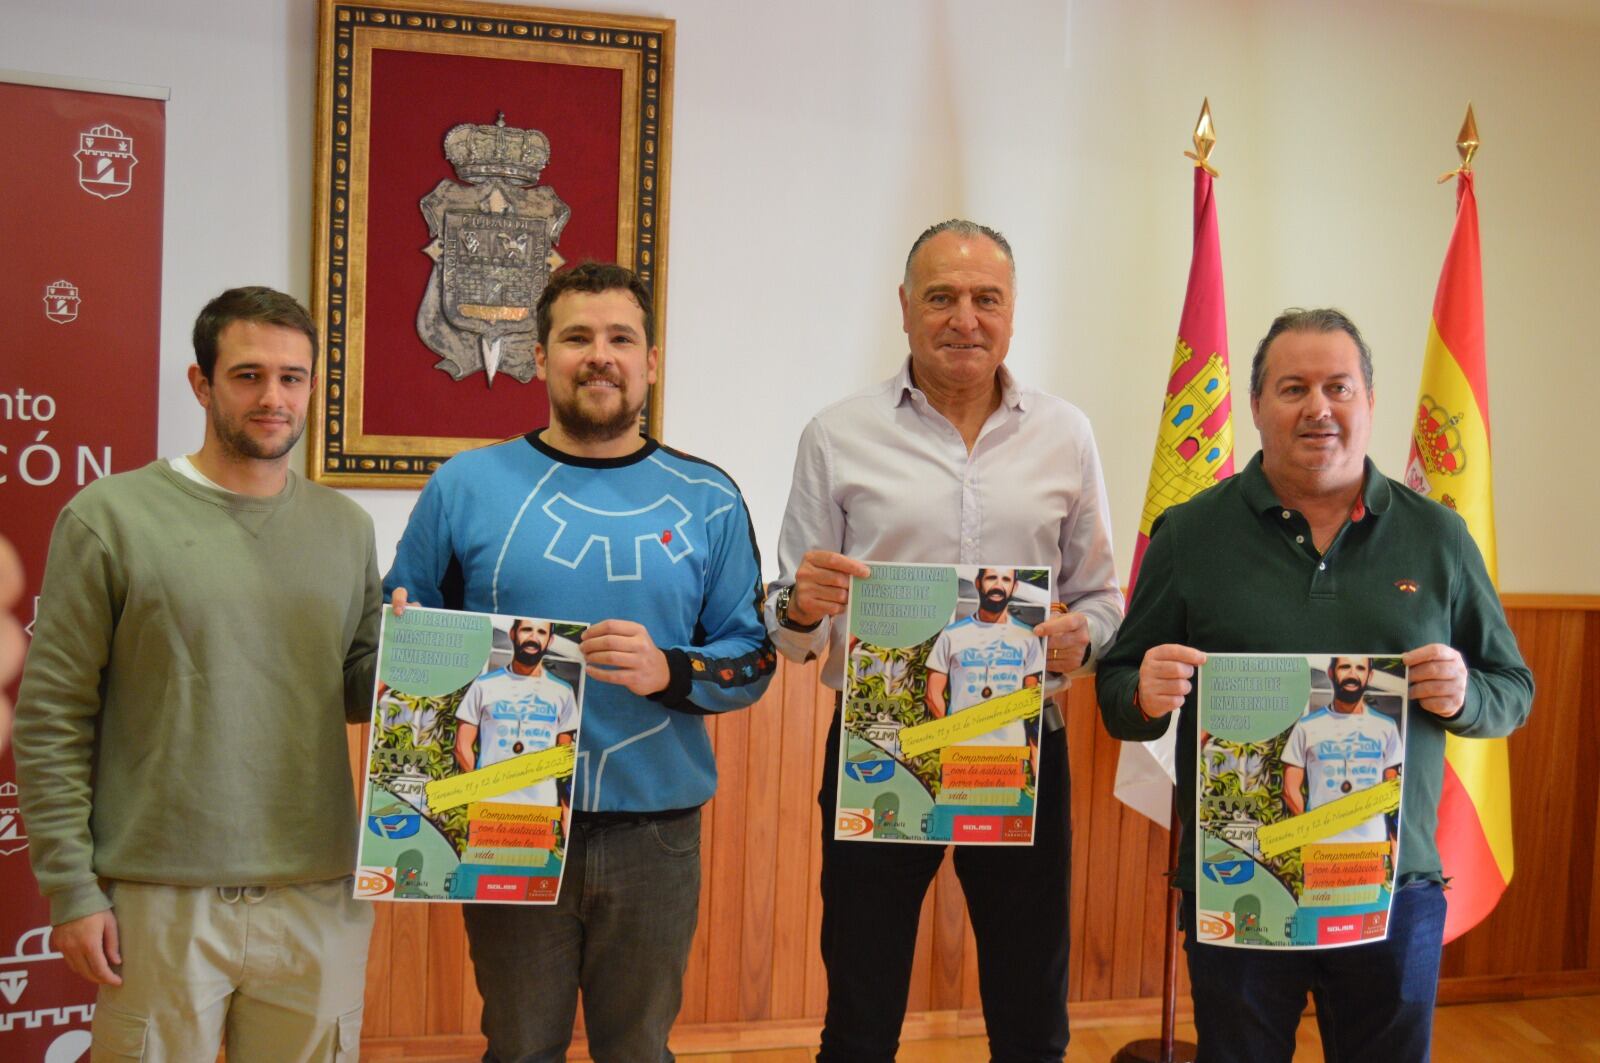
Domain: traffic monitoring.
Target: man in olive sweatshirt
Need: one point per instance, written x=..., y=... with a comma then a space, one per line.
x=206, y=626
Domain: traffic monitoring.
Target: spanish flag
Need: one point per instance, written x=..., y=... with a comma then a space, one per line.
x=1449, y=462
x=1194, y=448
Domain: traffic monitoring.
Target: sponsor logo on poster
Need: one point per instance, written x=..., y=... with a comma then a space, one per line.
x=105, y=161
x=1375, y=924
x=975, y=829
x=502, y=888
x=395, y=827
x=1214, y=926
x=880, y=769
x=375, y=881
x=61, y=302
x=1338, y=929
x=1017, y=829
x=853, y=823
x=1228, y=871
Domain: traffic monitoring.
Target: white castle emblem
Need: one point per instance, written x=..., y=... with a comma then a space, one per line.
x=105, y=161
x=61, y=302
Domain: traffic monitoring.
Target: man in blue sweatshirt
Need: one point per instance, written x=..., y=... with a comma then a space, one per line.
x=588, y=520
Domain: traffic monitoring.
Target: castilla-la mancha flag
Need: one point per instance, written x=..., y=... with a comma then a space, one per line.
x=1449, y=462
x=1194, y=449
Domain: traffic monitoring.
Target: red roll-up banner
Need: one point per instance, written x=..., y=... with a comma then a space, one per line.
x=80, y=298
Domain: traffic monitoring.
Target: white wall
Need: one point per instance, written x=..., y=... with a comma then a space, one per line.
x=812, y=142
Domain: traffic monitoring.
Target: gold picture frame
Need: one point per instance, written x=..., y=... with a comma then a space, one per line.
x=591, y=92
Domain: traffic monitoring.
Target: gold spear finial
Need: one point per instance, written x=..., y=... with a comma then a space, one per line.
x=1205, y=138
x=1467, y=144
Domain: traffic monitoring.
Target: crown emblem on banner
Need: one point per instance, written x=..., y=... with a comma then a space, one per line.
x=108, y=140
x=1438, y=438
x=482, y=152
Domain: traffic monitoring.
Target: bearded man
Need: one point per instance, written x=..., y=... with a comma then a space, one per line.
x=518, y=709
x=589, y=520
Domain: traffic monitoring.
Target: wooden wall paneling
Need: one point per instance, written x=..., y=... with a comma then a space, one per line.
x=822, y=707
x=375, y=1006
x=1555, y=835
x=445, y=966
x=949, y=938
x=1081, y=728
x=727, y=869
x=791, y=949
x=471, y=1003
x=1133, y=921
x=1547, y=905
x=971, y=996
x=920, y=998
x=1153, y=953
x=764, y=775
x=694, y=975
x=1581, y=671
x=375, y=1012
x=1100, y=909
x=1535, y=761
x=1590, y=684
x=407, y=969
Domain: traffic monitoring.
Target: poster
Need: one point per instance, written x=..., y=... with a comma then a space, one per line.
x=943, y=697
x=1298, y=798
x=80, y=294
x=467, y=788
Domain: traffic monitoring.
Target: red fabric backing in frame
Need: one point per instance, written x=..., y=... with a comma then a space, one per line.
x=416, y=98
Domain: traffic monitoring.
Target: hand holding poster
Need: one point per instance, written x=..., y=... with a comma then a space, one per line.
x=474, y=733
x=942, y=705
x=1298, y=798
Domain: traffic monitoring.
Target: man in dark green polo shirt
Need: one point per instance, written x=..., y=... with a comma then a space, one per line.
x=1312, y=548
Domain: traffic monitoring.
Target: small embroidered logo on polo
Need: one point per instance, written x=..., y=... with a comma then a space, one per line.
x=1406, y=586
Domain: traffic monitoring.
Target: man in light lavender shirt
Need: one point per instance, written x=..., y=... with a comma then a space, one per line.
x=949, y=461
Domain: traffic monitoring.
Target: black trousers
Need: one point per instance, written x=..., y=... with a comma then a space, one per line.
x=1017, y=899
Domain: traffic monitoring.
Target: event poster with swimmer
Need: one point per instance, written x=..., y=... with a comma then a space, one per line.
x=467, y=790
x=943, y=697
x=1298, y=798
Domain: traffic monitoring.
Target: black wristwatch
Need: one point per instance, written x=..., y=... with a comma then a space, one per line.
x=780, y=607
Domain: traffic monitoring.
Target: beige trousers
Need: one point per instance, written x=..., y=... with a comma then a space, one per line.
x=279, y=971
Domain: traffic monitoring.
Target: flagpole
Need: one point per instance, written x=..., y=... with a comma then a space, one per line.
x=1168, y=1049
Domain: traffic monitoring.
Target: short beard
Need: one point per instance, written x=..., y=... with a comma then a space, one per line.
x=522, y=657
x=237, y=443
x=1347, y=697
x=583, y=428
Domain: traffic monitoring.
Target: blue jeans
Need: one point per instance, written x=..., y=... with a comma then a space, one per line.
x=1018, y=899
x=1374, y=1001
x=620, y=932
